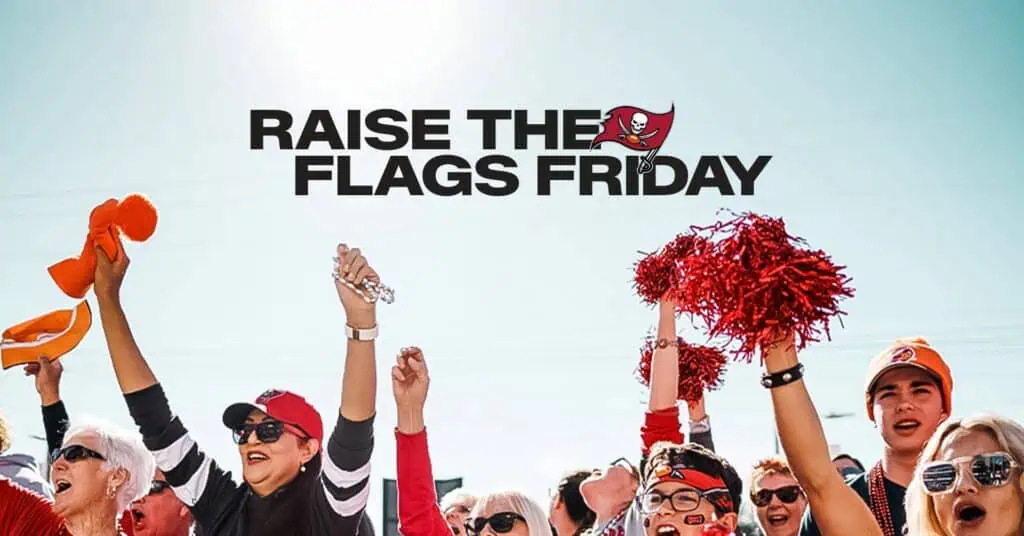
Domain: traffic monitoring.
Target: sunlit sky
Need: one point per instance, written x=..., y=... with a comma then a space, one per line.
x=895, y=130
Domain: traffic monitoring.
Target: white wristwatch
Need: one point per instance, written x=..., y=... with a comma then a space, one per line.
x=361, y=334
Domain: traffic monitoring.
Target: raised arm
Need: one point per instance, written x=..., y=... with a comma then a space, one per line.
x=836, y=507
x=661, y=422
x=700, y=425
x=195, y=478
x=340, y=501
x=418, y=511
x=47, y=375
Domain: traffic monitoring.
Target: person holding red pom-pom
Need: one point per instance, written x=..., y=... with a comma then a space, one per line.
x=611, y=492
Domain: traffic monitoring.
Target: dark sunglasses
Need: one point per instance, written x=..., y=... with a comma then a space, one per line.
x=786, y=494
x=266, y=432
x=500, y=523
x=74, y=453
x=990, y=470
x=158, y=486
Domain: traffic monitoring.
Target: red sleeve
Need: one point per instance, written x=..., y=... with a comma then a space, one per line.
x=26, y=514
x=661, y=425
x=418, y=512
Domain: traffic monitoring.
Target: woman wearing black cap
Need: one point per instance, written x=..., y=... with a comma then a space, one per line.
x=290, y=487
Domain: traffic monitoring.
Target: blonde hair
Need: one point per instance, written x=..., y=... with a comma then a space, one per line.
x=775, y=465
x=5, y=434
x=921, y=517
x=513, y=501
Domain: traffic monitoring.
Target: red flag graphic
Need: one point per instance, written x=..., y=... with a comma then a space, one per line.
x=635, y=128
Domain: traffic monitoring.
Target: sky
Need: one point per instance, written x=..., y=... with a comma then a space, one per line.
x=896, y=132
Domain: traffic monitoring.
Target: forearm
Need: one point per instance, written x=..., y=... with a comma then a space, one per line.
x=800, y=431
x=665, y=363
x=359, y=382
x=410, y=420
x=55, y=423
x=130, y=367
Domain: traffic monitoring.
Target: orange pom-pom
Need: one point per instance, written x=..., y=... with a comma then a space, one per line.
x=136, y=216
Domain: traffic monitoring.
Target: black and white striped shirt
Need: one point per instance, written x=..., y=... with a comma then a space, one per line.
x=320, y=502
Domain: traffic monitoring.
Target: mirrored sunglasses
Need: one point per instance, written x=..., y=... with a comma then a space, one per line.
x=990, y=470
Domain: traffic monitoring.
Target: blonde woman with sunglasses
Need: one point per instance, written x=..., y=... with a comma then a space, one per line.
x=969, y=480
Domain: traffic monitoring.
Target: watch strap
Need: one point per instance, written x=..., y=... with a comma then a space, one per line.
x=361, y=334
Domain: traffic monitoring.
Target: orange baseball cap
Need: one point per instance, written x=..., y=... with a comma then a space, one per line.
x=914, y=352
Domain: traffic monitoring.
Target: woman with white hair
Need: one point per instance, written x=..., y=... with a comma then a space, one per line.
x=456, y=505
x=98, y=471
x=969, y=480
x=497, y=514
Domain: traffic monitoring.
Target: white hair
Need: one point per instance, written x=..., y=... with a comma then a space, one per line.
x=123, y=450
x=536, y=519
x=456, y=496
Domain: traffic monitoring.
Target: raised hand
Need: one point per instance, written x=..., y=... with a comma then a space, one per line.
x=409, y=379
x=355, y=269
x=110, y=274
x=47, y=374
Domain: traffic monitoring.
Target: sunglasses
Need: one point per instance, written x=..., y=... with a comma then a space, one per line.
x=786, y=494
x=74, y=453
x=158, y=486
x=990, y=470
x=266, y=431
x=500, y=523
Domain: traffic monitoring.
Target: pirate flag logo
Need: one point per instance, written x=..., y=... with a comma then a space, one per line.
x=637, y=129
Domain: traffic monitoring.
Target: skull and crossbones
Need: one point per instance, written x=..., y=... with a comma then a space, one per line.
x=635, y=132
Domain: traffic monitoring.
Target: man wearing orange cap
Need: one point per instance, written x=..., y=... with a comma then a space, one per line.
x=908, y=394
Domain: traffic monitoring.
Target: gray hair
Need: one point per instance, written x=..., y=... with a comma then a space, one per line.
x=123, y=450
x=536, y=519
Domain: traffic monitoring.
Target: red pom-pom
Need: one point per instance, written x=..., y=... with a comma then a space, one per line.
x=136, y=216
x=700, y=368
x=756, y=284
x=657, y=273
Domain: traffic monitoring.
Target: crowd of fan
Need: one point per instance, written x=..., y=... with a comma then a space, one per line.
x=939, y=475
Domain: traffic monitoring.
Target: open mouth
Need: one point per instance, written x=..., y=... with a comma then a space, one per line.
x=137, y=516
x=255, y=457
x=907, y=426
x=667, y=530
x=777, y=520
x=970, y=514
x=61, y=486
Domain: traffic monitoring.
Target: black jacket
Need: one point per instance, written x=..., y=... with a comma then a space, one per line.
x=327, y=499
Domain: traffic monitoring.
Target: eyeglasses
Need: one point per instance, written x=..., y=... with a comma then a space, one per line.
x=786, y=494
x=990, y=470
x=500, y=523
x=74, y=453
x=682, y=500
x=158, y=486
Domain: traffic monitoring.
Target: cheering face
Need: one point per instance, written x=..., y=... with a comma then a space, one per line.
x=272, y=453
x=159, y=511
x=780, y=515
x=675, y=509
x=614, y=485
x=968, y=508
x=908, y=408
x=79, y=478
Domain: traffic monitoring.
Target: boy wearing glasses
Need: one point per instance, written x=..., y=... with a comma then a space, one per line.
x=777, y=496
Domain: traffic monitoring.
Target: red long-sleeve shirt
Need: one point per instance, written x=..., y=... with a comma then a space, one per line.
x=26, y=514
x=418, y=512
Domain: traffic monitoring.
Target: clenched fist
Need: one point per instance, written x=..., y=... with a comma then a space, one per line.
x=410, y=380
x=355, y=269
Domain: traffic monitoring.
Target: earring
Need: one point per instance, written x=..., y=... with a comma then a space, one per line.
x=111, y=491
x=302, y=468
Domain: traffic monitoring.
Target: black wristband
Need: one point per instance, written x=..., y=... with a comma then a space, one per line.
x=783, y=377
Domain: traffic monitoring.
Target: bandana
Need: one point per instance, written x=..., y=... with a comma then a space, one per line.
x=714, y=488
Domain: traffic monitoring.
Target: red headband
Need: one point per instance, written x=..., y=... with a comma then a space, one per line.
x=702, y=482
